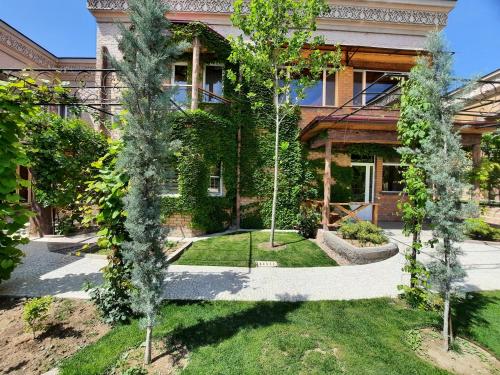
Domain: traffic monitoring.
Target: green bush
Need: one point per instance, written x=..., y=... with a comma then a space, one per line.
x=308, y=222
x=478, y=229
x=36, y=312
x=364, y=232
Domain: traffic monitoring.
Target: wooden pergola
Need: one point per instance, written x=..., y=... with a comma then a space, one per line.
x=377, y=127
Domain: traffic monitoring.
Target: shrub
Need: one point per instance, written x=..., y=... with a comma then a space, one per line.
x=478, y=229
x=35, y=312
x=308, y=222
x=364, y=232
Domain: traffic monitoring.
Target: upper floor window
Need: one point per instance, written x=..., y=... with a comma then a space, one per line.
x=375, y=84
x=180, y=82
x=321, y=93
x=213, y=81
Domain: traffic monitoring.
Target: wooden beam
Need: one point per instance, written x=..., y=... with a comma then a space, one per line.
x=363, y=136
x=327, y=184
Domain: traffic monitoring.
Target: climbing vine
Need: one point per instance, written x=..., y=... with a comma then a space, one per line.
x=413, y=129
x=205, y=141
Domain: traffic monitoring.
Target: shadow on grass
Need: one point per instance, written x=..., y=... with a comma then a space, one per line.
x=214, y=331
x=467, y=312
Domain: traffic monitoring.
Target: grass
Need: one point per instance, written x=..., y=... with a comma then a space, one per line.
x=477, y=317
x=242, y=250
x=327, y=337
x=335, y=337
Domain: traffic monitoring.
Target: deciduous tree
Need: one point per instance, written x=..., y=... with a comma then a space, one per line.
x=271, y=54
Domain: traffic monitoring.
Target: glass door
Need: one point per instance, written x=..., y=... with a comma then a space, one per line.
x=363, y=187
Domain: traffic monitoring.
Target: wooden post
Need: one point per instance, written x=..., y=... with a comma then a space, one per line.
x=327, y=184
x=476, y=162
x=195, y=73
x=375, y=214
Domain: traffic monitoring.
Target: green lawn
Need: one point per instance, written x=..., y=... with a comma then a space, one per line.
x=478, y=318
x=242, y=250
x=341, y=337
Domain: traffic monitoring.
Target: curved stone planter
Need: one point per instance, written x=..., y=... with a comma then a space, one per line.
x=359, y=255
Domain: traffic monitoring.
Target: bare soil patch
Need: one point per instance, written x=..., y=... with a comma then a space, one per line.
x=72, y=324
x=167, y=359
x=467, y=358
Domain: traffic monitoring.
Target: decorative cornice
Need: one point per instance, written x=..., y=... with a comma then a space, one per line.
x=16, y=44
x=337, y=12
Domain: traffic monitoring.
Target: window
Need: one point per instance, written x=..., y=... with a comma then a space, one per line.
x=180, y=81
x=392, y=178
x=63, y=111
x=213, y=81
x=375, y=84
x=320, y=93
x=171, y=186
x=215, y=187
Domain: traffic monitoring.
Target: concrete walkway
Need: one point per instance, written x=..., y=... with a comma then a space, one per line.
x=45, y=271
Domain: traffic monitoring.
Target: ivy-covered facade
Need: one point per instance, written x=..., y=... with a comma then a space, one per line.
x=339, y=147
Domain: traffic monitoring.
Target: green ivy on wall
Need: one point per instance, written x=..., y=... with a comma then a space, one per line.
x=206, y=140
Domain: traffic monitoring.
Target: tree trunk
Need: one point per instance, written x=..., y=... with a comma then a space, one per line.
x=276, y=151
x=238, y=181
x=415, y=241
x=447, y=310
x=147, y=349
x=446, y=322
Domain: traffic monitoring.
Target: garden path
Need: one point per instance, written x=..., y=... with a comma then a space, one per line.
x=45, y=271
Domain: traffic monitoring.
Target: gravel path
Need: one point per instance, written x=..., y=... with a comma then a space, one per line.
x=45, y=271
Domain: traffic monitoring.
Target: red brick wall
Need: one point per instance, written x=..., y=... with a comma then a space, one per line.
x=179, y=225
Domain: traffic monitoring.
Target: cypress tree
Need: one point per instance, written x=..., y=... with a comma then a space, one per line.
x=148, y=53
x=446, y=165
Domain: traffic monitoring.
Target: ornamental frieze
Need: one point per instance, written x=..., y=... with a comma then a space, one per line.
x=24, y=49
x=339, y=12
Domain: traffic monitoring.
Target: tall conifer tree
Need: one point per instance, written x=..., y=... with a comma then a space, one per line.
x=446, y=165
x=148, y=53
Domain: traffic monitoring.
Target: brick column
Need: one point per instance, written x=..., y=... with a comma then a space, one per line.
x=344, y=87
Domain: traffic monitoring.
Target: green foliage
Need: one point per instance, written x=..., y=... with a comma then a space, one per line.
x=106, y=192
x=149, y=52
x=364, y=232
x=309, y=220
x=413, y=339
x=278, y=30
x=478, y=229
x=36, y=312
x=446, y=166
x=136, y=370
x=18, y=104
x=413, y=129
x=369, y=150
x=60, y=152
x=205, y=141
x=488, y=172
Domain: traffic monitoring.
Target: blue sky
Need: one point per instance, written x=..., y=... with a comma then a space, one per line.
x=66, y=28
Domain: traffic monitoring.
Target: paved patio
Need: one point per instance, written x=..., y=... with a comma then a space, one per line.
x=47, y=271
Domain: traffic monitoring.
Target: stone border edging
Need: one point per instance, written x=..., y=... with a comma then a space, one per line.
x=359, y=255
x=177, y=253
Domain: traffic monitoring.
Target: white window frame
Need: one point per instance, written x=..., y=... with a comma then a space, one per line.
x=205, y=75
x=363, y=81
x=219, y=193
x=389, y=164
x=172, y=78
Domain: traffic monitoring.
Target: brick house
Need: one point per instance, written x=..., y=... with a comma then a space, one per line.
x=380, y=39
x=342, y=115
